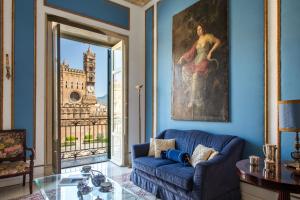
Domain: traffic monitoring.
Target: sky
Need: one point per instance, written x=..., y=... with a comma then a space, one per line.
x=72, y=53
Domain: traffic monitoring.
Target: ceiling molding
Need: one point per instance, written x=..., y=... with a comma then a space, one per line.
x=138, y=2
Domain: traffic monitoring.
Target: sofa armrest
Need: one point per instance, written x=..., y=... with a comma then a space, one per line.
x=219, y=172
x=139, y=150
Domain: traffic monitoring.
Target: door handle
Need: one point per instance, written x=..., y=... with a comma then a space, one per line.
x=8, y=74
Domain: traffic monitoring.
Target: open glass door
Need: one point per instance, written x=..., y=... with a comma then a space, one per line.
x=56, y=161
x=117, y=104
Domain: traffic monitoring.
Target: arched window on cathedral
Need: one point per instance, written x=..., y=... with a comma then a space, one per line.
x=66, y=84
x=72, y=85
x=82, y=86
x=77, y=85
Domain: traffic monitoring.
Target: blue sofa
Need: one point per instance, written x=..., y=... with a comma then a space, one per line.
x=215, y=179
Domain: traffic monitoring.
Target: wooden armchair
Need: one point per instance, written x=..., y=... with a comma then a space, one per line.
x=13, y=155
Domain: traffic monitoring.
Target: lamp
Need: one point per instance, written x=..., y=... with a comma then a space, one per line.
x=289, y=121
x=139, y=89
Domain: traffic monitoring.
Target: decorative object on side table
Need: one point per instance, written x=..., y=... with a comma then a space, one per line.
x=254, y=160
x=254, y=163
x=270, y=151
x=289, y=121
x=269, y=170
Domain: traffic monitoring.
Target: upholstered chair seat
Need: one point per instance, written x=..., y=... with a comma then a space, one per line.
x=10, y=168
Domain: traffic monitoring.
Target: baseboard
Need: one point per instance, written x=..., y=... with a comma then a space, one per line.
x=295, y=196
x=251, y=192
x=247, y=196
x=37, y=172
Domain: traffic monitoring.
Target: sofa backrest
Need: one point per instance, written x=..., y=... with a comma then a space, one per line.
x=187, y=140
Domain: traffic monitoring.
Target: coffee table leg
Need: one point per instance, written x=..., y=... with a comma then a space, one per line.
x=284, y=195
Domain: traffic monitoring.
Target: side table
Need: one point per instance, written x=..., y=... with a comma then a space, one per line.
x=283, y=181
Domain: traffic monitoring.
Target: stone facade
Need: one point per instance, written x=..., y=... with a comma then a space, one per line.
x=78, y=86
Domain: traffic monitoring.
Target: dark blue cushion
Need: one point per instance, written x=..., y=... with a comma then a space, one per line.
x=177, y=174
x=149, y=164
x=188, y=140
x=175, y=155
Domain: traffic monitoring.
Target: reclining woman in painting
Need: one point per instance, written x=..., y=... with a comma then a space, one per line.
x=195, y=67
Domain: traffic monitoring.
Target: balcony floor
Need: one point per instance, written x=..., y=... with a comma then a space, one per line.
x=71, y=162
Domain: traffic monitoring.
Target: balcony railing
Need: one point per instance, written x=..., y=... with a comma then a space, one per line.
x=84, y=136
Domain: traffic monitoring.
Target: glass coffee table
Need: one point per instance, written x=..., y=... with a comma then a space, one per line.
x=52, y=189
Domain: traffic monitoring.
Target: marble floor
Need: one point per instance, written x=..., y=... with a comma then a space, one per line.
x=107, y=168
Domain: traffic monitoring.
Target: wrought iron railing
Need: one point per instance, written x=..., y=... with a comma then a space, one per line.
x=84, y=136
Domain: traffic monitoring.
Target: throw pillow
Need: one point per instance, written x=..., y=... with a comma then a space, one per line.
x=176, y=155
x=163, y=145
x=152, y=148
x=201, y=153
x=213, y=154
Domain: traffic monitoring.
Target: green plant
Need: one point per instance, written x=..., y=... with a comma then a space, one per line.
x=70, y=138
x=101, y=138
x=67, y=143
x=88, y=136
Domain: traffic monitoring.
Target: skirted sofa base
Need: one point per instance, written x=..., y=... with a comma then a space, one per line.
x=167, y=191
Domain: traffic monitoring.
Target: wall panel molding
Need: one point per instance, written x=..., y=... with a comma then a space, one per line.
x=149, y=76
x=266, y=66
x=12, y=64
x=1, y=63
x=278, y=76
x=102, y=14
x=288, y=65
x=23, y=73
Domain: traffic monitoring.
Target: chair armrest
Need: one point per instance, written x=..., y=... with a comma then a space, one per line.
x=219, y=172
x=32, y=155
x=139, y=150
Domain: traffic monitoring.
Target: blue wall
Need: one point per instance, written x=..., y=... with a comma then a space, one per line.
x=102, y=10
x=149, y=71
x=246, y=72
x=23, y=88
x=23, y=101
x=290, y=67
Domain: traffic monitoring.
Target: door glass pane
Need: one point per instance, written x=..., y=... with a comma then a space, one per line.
x=117, y=59
x=117, y=102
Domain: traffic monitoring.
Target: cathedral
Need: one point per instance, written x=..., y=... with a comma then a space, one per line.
x=78, y=89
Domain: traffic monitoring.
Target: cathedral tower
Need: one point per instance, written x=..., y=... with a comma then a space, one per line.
x=89, y=65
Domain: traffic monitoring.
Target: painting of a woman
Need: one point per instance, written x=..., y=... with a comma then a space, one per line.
x=195, y=65
x=200, y=53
